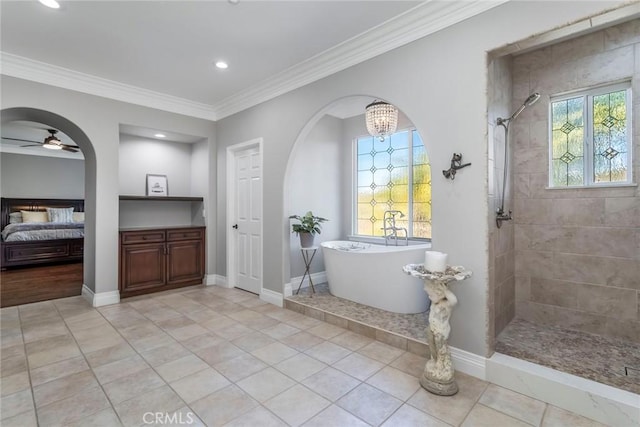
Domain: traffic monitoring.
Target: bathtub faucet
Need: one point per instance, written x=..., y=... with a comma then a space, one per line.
x=391, y=230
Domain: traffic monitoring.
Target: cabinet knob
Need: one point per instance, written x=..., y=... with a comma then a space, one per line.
x=235, y=226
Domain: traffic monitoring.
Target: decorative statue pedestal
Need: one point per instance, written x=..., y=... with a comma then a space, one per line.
x=438, y=373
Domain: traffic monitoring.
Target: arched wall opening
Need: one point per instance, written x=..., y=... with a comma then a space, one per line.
x=82, y=140
x=319, y=178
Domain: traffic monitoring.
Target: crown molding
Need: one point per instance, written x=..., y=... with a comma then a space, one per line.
x=418, y=22
x=53, y=75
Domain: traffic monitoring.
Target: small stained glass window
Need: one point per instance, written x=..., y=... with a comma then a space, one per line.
x=590, y=141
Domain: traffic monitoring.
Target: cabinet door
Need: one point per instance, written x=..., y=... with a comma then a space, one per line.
x=142, y=266
x=185, y=262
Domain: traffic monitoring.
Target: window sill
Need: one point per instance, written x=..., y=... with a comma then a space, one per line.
x=380, y=240
x=583, y=187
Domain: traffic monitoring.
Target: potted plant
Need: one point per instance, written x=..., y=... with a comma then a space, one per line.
x=308, y=227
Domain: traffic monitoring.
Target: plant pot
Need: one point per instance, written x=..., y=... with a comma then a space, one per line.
x=306, y=240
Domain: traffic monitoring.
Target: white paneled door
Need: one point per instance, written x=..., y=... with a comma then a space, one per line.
x=247, y=226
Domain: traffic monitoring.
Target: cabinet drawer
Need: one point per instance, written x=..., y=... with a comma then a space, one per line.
x=184, y=234
x=153, y=236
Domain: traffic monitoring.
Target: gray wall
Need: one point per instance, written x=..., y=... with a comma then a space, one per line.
x=315, y=185
x=96, y=128
x=577, y=250
x=41, y=177
x=440, y=82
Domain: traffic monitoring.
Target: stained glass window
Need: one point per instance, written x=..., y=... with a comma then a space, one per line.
x=589, y=137
x=393, y=174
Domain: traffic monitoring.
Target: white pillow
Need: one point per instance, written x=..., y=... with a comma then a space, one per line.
x=34, y=216
x=78, y=217
x=60, y=214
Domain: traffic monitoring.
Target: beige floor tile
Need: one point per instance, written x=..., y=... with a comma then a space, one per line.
x=310, y=404
x=132, y=385
x=301, y=322
x=381, y=352
x=64, y=387
x=556, y=417
x=58, y=370
x=300, y=366
x=12, y=351
x=261, y=323
x=450, y=409
x=331, y=383
x=204, y=315
x=74, y=408
x=13, y=365
x=234, y=331
x=394, y=382
x=370, y=404
x=326, y=331
x=119, y=351
x=219, y=353
x=335, y=416
x=164, y=354
x=120, y=368
x=246, y=315
x=410, y=363
x=223, y=406
x=218, y=323
x=152, y=342
x=11, y=338
x=14, y=383
x=266, y=384
x=162, y=399
x=302, y=341
x=16, y=403
x=202, y=341
x=280, y=331
x=483, y=416
x=188, y=332
x=161, y=314
x=140, y=331
x=328, y=352
x=26, y=419
x=258, y=416
x=200, y=384
x=409, y=416
x=240, y=367
x=351, y=340
x=182, y=417
x=104, y=418
x=253, y=341
x=46, y=329
x=358, y=366
x=182, y=367
x=274, y=353
x=514, y=404
x=51, y=350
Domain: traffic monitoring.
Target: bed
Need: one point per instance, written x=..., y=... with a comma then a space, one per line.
x=25, y=244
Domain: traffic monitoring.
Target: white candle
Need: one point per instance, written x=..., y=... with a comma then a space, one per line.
x=435, y=262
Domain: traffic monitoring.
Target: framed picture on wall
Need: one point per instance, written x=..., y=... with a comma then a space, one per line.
x=157, y=185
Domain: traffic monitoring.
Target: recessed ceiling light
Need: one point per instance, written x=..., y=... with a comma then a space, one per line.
x=160, y=135
x=53, y=4
x=222, y=65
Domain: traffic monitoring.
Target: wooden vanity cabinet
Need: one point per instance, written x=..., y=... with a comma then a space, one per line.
x=153, y=260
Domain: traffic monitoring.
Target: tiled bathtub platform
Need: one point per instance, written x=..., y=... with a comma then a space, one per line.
x=590, y=356
x=404, y=331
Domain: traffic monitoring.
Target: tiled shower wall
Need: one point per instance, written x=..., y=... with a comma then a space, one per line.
x=501, y=241
x=577, y=251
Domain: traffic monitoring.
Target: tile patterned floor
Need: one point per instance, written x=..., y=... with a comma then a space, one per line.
x=214, y=356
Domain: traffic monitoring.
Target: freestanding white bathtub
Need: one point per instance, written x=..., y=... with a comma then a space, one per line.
x=372, y=275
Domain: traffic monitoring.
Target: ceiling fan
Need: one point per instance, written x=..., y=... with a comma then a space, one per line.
x=51, y=142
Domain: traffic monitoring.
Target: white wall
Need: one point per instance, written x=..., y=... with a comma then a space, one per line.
x=315, y=185
x=440, y=82
x=41, y=177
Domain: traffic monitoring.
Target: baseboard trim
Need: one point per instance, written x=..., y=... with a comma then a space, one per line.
x=319, y=277
x=217, y=280
x=101, y=298
x=272, y=297
x=469, y=363
x=599, y=402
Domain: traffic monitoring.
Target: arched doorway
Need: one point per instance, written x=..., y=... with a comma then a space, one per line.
x=80, y=138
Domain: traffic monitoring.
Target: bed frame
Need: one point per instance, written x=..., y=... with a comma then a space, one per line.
x=42, y=251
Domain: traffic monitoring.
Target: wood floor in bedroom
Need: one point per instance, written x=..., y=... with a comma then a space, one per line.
x=32, y=284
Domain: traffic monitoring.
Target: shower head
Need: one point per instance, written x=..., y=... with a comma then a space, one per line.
x=532, y=99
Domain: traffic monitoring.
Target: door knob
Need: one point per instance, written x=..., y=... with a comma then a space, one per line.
x=235, y=226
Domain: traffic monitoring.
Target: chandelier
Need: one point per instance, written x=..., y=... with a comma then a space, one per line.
x=381, y=118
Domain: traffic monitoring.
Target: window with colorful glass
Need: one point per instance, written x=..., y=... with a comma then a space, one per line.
x=591, y=138
x=393, y=174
